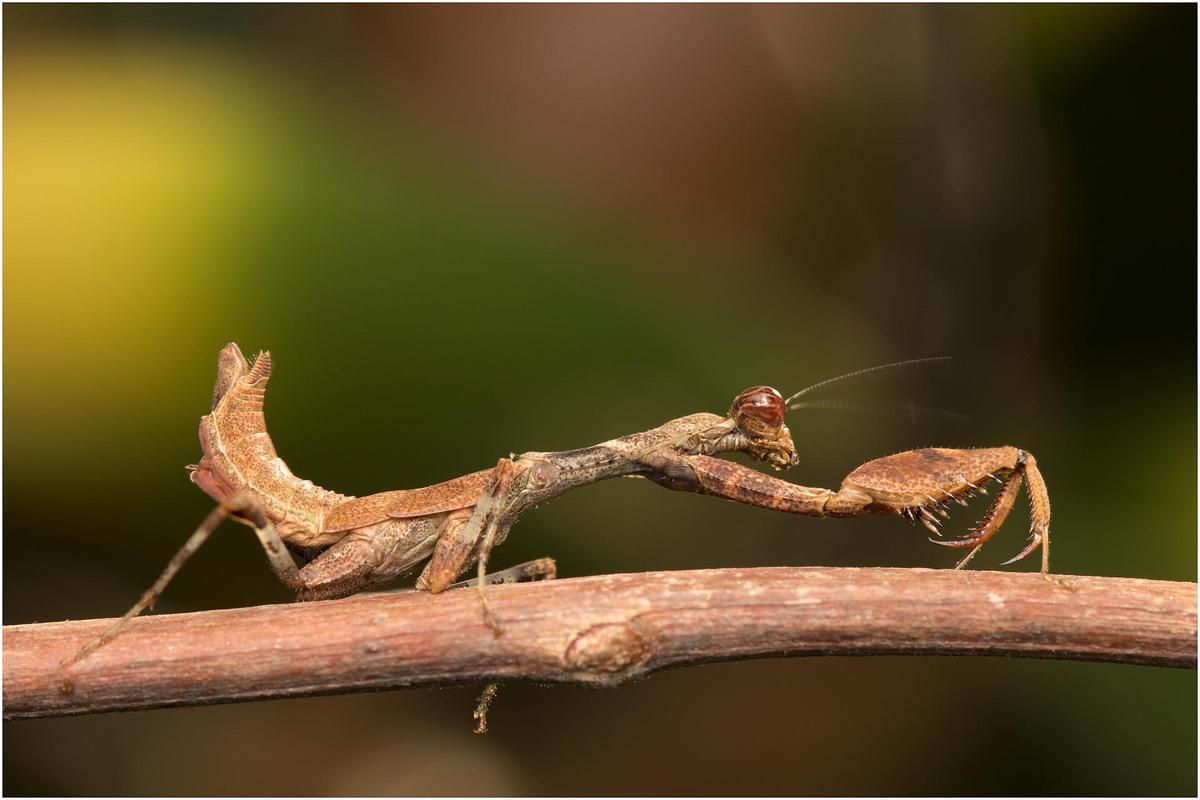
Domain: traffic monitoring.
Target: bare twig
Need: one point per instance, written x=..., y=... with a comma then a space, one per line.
x=599, y=631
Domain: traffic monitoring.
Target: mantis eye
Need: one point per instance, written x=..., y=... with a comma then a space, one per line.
x=542, y=475
x=758, y=409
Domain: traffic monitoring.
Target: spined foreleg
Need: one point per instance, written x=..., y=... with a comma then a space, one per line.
x=916, y=485
x=1024, y=465
x=713, y=476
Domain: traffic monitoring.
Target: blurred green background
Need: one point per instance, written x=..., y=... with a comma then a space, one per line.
x=469, y=231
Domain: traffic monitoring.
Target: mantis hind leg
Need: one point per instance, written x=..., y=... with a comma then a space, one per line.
x=541, y=569
x=242, y=508
x=340, y=571
x=151, y=595
x=370, y=555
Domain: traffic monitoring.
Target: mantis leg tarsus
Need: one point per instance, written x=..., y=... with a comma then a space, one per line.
x=967, y=559
x=485, y=610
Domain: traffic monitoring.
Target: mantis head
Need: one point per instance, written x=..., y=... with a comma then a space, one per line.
x=758, y=414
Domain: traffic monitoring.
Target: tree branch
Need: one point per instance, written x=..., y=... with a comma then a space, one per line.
x=598, y=631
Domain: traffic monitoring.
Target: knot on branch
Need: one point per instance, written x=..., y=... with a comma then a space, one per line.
x=607, y=653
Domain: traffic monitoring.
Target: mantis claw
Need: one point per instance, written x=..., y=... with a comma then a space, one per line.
x=1035, y=542
x=908, y=483
x=966, y=541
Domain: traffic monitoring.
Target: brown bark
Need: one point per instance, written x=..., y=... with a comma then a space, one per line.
x=598, y=631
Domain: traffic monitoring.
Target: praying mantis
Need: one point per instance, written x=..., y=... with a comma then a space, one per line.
x=365, y=541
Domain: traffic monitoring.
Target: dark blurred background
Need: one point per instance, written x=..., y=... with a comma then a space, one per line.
x=469, y=231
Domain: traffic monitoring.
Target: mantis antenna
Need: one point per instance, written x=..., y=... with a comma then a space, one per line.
x=857, y=377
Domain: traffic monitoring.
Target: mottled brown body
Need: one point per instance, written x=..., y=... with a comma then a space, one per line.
x=374, y=539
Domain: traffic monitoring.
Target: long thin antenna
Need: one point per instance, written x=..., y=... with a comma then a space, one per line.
x=863, y=374
x=910, y=410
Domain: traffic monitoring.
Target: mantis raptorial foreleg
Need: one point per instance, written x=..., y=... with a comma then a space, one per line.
x=914, y=484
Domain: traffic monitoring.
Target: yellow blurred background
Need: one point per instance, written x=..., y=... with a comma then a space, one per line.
x=469, y=231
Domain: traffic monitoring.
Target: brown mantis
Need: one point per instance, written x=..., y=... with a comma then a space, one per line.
x=375, y=539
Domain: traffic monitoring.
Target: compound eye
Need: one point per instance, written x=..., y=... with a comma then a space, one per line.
x=543, y=474
x=758, y=408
